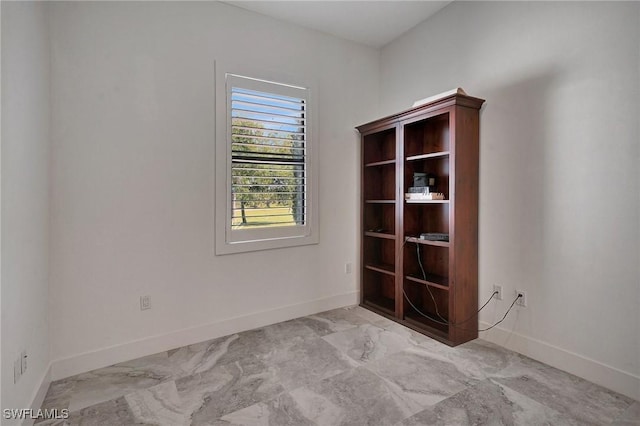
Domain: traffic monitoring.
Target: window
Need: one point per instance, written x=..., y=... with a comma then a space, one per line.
x=269, y=194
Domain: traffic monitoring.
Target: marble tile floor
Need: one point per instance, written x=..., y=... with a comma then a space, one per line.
x=347, y=366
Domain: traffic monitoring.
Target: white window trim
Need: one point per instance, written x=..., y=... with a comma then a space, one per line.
x=228, y=241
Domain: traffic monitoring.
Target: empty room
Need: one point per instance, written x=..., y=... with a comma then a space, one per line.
x=320, y=213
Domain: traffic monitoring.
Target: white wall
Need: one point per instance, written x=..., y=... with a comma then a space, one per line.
x=25, y=198
x=133, y=177
x=559, y=182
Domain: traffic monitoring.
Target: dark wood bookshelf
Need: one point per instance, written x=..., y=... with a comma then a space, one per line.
x=440, y=138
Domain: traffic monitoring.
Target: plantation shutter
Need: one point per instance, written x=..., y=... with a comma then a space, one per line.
x=268, y=138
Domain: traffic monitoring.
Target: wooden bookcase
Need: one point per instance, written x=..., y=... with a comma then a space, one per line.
x=439, y=278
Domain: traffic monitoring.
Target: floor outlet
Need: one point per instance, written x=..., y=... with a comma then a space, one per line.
x=522, y=301
x=497, y=289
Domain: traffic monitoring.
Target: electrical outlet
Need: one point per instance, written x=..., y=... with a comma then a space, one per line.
x=23, y=362
x=522, y=301
x=348, y=267
x=498, y=289
x=145, y=303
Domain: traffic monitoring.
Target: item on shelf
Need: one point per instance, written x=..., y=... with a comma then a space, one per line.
x=456, y=91
x=434, y=236
x=420, y=179
x=423, y=180
x=431, y=180
x=424, y=197
x=419, y=190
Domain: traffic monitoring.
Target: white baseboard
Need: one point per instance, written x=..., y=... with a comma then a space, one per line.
x=589, y=369
x=104, y=357
x=39, y=395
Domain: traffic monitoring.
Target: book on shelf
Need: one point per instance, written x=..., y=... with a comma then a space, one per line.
x=421, y=196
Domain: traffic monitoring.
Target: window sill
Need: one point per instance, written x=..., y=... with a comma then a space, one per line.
x=224, y=248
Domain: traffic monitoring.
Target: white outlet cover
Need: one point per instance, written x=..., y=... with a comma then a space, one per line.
x=145, y=303
x=522, y=301
x=498, y=288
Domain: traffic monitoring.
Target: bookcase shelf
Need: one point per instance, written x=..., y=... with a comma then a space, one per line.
x=381, y=304
x=381, y=163
x=427, y=201
x=422, y=284
x=428, y=156
x=422, y=324
x=416, y=240
x=382, y=268
x=432, y=280
x=380, y=201
x=379, y=235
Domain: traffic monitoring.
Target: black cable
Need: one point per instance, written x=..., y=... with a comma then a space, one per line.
x=454, y=325
x=424, y=277
x=476, y=314
x=505, y=314
x=445, y=321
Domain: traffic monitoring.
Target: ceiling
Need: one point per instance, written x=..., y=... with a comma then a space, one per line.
x=373, y=23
